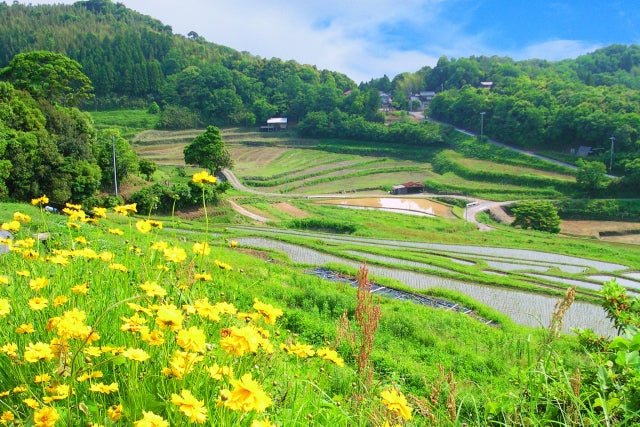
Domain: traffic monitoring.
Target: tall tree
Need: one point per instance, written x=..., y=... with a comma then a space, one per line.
x=49, y=75
x=208, y=150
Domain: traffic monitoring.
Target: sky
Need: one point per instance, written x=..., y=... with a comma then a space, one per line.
x=367, y=39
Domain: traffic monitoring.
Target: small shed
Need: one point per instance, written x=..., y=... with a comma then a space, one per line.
x=408, y=188
x=275, y=124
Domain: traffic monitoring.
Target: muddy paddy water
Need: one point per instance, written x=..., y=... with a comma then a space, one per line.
x=525, y=308
x=417, y=206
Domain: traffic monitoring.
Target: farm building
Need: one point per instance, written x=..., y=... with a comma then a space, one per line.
x=275, y=124
x=408, y=188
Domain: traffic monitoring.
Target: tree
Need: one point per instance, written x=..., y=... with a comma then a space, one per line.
x=147, y=167
x=208, y=150
x=591, y=176
x=49, y=75
x=536, y=215
x=126, y=158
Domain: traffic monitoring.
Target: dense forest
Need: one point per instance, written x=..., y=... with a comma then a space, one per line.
x=125, y=59
x=538, y=104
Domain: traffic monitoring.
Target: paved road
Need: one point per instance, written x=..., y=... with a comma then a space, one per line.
x=501, y=144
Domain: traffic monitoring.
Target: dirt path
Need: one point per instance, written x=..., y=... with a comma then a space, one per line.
x=242, y=211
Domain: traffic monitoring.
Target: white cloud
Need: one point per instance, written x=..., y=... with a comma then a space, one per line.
x=555, y=50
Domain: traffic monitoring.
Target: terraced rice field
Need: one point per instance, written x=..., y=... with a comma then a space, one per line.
x=525, y=307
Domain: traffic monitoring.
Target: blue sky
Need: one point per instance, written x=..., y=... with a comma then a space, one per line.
x=370, y=38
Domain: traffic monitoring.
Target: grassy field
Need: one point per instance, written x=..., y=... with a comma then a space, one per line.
x=176, y=301
x=130, y=122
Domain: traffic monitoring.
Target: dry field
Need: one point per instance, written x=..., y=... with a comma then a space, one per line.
x=629, y=232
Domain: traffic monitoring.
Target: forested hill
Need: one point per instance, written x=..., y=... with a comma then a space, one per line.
x=538, y=104
x=133, y=60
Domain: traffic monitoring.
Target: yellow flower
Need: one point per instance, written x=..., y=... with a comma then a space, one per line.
x=30, y=254
x=23, y=273
x=396, y=403
x=40, y=201
x=149, y=419
x=154, y=337
x=269, y=312
x=181, y=364
x=152, y=289
x=60, y=300
x=12, y=226
x=226, y=308
x=160, y=245
x=38, y=303
x=222, y=265
x=38, y=351
x=104, y=388
x=190, y=406
x=82, y=240
x=82, y=288
x=126, y=209
x=241, y=340
x=233, y=244
x=155, y=224
x=174, y=255
x=143, y=226
x=25, y=328
x=25, y=243
x=10, y=349
x=300, y=350
x=262, y=423
x=118, y=267
x=5, y=307
x=31, y=402
x=45, y=417
x=99, y=212
x=88, y=376
x=116, y=231
x=106, y=256
x=4, y=280
x=169, y=316
x=19, y=216
x=204, y=177
x=136, y=354
x=38, y=283
x=93, y=351
x=44, y=378
x=201, y=248
x=192, y=339
x=204, y=277
x=6, y=417
x=247, y=395
x=58, y=259
x=19, y=389
x=115, y=412
x=218, y=372
x=330, y=355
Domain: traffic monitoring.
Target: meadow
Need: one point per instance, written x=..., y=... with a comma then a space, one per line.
x=142, y=320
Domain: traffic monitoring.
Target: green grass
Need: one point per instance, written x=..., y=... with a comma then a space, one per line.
x=411, y=343
x=130, y=121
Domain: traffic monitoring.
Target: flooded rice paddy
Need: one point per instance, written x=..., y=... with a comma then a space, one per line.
x=525, y=308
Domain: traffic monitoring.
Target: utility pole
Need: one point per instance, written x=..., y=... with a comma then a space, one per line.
x=613, y=138
x=115, y=174
x=482, y=113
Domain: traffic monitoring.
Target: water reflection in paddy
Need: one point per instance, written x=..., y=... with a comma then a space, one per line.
x=524, y=308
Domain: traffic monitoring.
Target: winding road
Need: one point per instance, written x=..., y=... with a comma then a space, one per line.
x=470, y=212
